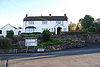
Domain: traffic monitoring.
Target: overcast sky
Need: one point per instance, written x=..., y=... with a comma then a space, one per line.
x=13, y=11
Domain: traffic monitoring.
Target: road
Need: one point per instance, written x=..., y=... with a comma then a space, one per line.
x=7, y=60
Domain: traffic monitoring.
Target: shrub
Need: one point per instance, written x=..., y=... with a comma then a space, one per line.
x=91, y=29
x=34, y=34
x=5, y=43
x=46, y=34
x=72, y=41
x=10, y=34
x=16, y=39
x=20, y=43
x=51, y=42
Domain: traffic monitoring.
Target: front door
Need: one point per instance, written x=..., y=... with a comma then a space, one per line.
x=59, y=30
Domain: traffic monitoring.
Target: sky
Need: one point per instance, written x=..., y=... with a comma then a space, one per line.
x=13, y=11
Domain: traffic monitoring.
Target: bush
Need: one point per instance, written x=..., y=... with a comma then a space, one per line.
x=34, y=34
x=21, y=43
x=10, y=34
x=5, y=43
x=16, y=39
x=91, y=29
x=51, y=42
x=46, y=35
x=72, y=41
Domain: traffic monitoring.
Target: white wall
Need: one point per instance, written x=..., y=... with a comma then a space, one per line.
x=51, y=24
x=9, y=27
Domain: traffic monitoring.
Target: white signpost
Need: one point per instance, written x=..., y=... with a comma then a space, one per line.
x=30, y=42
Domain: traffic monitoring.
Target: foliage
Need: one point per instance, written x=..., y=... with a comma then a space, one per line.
x=72, y=40
x=20, y=43
x=72, y=27
x=50, y=42
x=5, y=43
x=10, y=34
x=16, y=39
x=19, y=47
x=34, y=34
x=87, y=21
x=97, y=27
x=91, y=29
x=46, y=34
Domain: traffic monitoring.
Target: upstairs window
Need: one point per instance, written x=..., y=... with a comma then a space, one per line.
x=31, y=22
x=58, y=22
x=44, y=22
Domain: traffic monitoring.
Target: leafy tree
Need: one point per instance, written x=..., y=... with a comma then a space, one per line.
x=91, y=29
x=72, y=27
x=87, y=22
x=10, y=34
x=97, y=27
x=46, y=34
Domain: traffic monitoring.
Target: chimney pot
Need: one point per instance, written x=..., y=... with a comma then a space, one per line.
x=26, y=15
x=64, y=14
x=49, y=14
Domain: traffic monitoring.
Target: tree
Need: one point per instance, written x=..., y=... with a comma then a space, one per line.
x=46, y=34
x=10, y=34
x=87, y=22
x=91, y=29
x=72, y=27
x=97, y=27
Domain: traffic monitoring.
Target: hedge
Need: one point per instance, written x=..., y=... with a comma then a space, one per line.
x=5, y=43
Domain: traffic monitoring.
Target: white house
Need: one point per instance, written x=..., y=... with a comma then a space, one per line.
x=55, y=24
x=9, y=27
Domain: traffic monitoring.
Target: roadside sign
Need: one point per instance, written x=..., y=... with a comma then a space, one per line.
x=30, y=42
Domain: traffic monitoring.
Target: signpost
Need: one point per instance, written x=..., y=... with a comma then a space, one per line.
x=30, y=42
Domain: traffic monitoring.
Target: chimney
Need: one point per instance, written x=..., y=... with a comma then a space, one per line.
x=64, y=14
x=26, y=15
x=49, y=14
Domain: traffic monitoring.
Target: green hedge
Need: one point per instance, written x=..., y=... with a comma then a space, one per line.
x=5, y=43
x=34, y=34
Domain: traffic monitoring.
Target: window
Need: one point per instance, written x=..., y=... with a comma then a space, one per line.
x=58, y=22
x=31, y=22
x=51, y=29
x=64, y=29
x=29, y=30
x=44, y=22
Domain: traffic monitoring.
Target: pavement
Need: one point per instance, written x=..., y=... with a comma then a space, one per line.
x=88, y=56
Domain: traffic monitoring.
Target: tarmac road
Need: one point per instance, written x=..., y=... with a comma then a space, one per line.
x=6, y=60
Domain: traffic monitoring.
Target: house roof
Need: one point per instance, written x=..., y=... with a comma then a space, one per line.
x=45, y=18
x=7, y=25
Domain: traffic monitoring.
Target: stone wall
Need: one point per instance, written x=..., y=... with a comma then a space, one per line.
x=90, y=38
